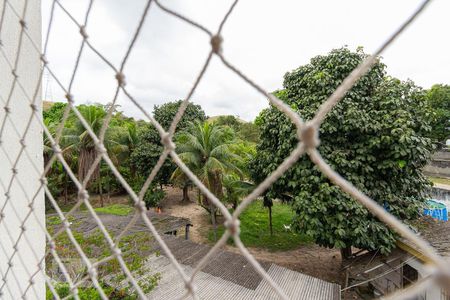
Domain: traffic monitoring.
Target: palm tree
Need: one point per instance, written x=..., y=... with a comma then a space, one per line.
x=94, y=115
x=67, y=143
x=205, y=149
x=120, y=142
x=235, y=188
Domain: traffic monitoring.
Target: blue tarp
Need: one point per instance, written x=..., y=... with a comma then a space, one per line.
x=436, y=210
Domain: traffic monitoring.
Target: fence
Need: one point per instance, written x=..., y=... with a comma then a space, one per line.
x=23, y=179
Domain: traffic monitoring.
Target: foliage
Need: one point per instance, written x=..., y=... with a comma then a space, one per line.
x=165, y=113
x=79, y=150
x=153, y=195
x=235, y=189
x=91, y=293
x=206, y=149
x=55, y=113
x=135, y=248
x=147, y=153
x=246, y=152
x=230, y=121
x=247, y=131
x=115, y=209
x=149, y=148
x=82, y=141
x=56, y=220
x=374, y=137
x=255, y=228
x=438, y=98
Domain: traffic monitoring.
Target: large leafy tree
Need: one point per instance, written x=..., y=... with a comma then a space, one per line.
x=165, y=113
x=374, y=137
x=149, y=148
x=439, y=100
x=230, y=121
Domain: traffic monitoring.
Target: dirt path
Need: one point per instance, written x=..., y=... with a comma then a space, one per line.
x=309, y=259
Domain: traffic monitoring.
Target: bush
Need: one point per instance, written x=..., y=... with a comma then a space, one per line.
x=154, y=194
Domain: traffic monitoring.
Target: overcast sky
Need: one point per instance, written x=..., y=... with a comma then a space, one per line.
x=265, y=39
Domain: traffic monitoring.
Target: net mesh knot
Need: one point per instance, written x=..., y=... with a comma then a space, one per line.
x=120, y=77
x=22, y=23
x=69, y=98
x=216, y=44
x=309, y=135
x=83, y=32
x=233, y=226
x=166, y=140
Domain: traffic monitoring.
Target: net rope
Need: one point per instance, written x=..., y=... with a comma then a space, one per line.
x=308, y=141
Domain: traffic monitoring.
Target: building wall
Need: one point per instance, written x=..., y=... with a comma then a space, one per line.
x=23, y=263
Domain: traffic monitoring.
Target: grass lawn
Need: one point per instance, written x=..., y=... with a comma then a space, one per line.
x=440, y=180
x=115, y=209
x=255, y=228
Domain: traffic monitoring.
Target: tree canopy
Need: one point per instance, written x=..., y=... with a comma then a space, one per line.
x=149, y=147
x=165, y=113
x=439, y=100
x=246, y=131
x=375, y=138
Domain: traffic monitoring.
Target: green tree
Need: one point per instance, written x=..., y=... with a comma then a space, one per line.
x=84, y=145
x=438, y=98
x=230, y=121
x=235, y=188
x=165, y=113
x=249, y=132
x=149, y=148
x=206, y=149
x=374, y=137
x=55, y=113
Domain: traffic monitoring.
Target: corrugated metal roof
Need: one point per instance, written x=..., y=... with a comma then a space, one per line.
x=229, y=276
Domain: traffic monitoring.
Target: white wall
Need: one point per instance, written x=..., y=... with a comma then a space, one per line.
x=17, y=279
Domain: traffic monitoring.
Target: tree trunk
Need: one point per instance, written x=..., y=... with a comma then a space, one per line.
x=108, y=187
x=66, y=183
x=346, y=252
x=213, y=219
x=100, y=191
x=270, y=220
x=185, y=193
x=216, y=188
x=85, y=161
